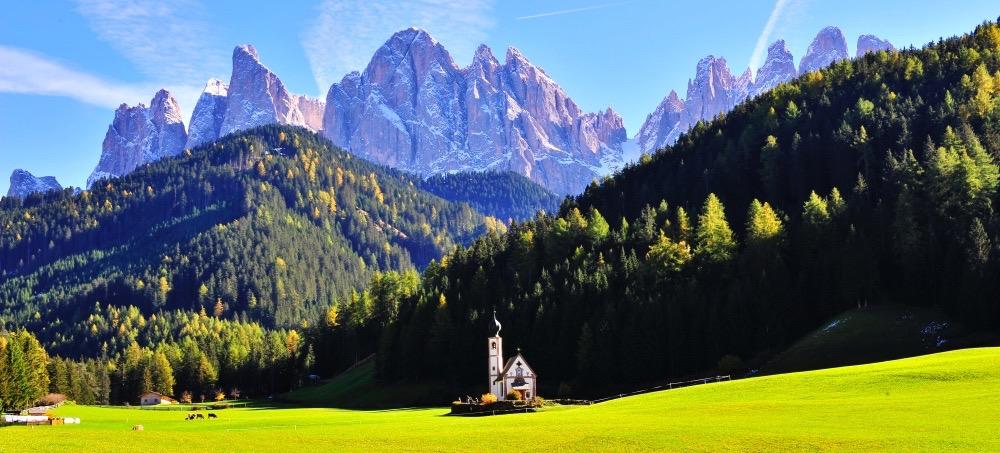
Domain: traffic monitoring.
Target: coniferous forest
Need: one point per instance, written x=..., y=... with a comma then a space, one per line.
x=217, y=260
x=247, y=264
x=503, y=195
x=869, y=182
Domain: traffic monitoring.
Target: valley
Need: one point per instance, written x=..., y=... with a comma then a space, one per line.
x=814, y=244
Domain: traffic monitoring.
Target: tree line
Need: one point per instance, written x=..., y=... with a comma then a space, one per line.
x=871, y=181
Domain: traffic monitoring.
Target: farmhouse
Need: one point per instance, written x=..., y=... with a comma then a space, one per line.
x=155, y=399
x=514, y=375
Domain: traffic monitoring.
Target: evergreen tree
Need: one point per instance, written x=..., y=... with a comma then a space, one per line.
x=714, y=238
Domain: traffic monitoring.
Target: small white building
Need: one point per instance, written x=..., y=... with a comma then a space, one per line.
x=155, y=399
x=514, y=375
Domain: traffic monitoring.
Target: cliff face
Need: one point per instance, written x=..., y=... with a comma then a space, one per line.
x=413, y=108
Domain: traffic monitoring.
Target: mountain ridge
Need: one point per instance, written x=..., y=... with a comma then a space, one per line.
x=715, y=90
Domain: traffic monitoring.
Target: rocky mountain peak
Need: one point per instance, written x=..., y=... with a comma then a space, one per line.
x=711, y=91
x=246, y=51
x=673, y=100
x=778, y=67
x=663, y=126
x=216, y=87
x=256, y=97
x=742, y=86
x=872, y=43
x=139, y=135
x=208, y=114
x=413, y=108
x=484, y=59
x=515, y=57
x=165, y=109
x=23, y=183
x=826, y=48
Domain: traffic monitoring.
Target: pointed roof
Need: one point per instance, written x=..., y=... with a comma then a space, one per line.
x=510, y=362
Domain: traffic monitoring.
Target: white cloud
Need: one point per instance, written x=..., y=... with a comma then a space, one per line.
x=165, y=40
x=28, y=73
x=571, y=11
x=346, y=33
x=778, y=13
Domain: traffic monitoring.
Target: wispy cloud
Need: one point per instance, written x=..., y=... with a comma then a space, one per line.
x=163, y=39
x=346, y=33
x=29, y=73
x=571, y=10
x=773, y=20
x=169, y=42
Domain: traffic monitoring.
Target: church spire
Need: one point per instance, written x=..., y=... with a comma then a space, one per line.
x=496, y=322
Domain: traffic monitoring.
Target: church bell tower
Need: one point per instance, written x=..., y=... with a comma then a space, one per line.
x=495, y=366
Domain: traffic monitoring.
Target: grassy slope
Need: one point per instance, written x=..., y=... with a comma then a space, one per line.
x=870, y=334
x=930, y=403
x=356, y=389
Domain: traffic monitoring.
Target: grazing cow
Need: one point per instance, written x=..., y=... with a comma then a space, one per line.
x=199, y=416
x=137, y=428
x=212, y=416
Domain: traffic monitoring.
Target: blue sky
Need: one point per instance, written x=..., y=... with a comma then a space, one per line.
x=65, y=65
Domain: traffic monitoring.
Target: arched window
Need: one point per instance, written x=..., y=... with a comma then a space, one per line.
x=493, y=345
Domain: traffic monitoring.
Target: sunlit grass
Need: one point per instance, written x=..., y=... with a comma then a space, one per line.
x=938, y=402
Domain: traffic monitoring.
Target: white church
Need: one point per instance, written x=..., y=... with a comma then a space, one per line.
x=514, y=375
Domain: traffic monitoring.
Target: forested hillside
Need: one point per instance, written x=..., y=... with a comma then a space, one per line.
x=868, y=182
x=272, y=226
x=503, y=195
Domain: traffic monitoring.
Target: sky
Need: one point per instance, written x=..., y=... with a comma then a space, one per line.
x=66, y=64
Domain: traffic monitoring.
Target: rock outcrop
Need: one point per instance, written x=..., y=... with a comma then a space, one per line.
x=139, y=135
x=413, y=108
x=23, y=183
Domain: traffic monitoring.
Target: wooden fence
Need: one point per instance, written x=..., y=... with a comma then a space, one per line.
x=670, y=386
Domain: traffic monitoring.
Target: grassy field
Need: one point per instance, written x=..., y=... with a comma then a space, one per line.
x=946, y=401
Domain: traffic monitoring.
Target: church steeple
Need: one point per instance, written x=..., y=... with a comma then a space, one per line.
x=495, y=365
x=496, y=323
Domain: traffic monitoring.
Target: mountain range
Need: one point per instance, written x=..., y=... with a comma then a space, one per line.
x=716, y=90
x=413, y=108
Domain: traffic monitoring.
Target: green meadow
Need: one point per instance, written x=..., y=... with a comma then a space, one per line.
x=945, y=401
